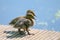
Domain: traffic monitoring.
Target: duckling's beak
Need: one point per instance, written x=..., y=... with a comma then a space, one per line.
x=34, y=18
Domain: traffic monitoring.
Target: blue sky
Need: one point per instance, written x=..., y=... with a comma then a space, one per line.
x=44, y=10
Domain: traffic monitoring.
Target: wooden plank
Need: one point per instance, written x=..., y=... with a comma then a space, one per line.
x=9, y=33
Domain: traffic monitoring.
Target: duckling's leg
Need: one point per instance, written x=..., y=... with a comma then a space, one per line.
x=19, y=30
x=27, y=31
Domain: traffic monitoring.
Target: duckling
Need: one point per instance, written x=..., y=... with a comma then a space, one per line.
x=24, y=22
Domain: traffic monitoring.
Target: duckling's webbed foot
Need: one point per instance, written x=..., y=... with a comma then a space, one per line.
x=29, y=33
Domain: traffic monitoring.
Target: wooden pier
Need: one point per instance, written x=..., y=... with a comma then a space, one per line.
x=9, y=33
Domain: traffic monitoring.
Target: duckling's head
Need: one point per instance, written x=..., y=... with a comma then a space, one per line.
x=30, y=14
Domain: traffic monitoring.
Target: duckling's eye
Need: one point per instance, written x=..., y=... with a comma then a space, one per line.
x=31, y=12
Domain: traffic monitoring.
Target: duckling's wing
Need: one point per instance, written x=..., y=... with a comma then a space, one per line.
x=22, y=23
x=14, y=21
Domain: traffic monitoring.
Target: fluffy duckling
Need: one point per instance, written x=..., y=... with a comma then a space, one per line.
x=24, y=22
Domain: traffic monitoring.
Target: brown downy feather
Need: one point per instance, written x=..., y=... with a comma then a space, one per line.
x=29, y=16
x=15, y=20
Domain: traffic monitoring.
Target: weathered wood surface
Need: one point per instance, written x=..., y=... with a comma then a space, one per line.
x=9, y=33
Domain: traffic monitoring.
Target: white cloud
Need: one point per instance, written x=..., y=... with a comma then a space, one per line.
x=43, y=23
x=57, y=15
x=53, y=21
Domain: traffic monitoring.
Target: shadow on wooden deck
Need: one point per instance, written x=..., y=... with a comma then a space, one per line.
x=14, y=34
